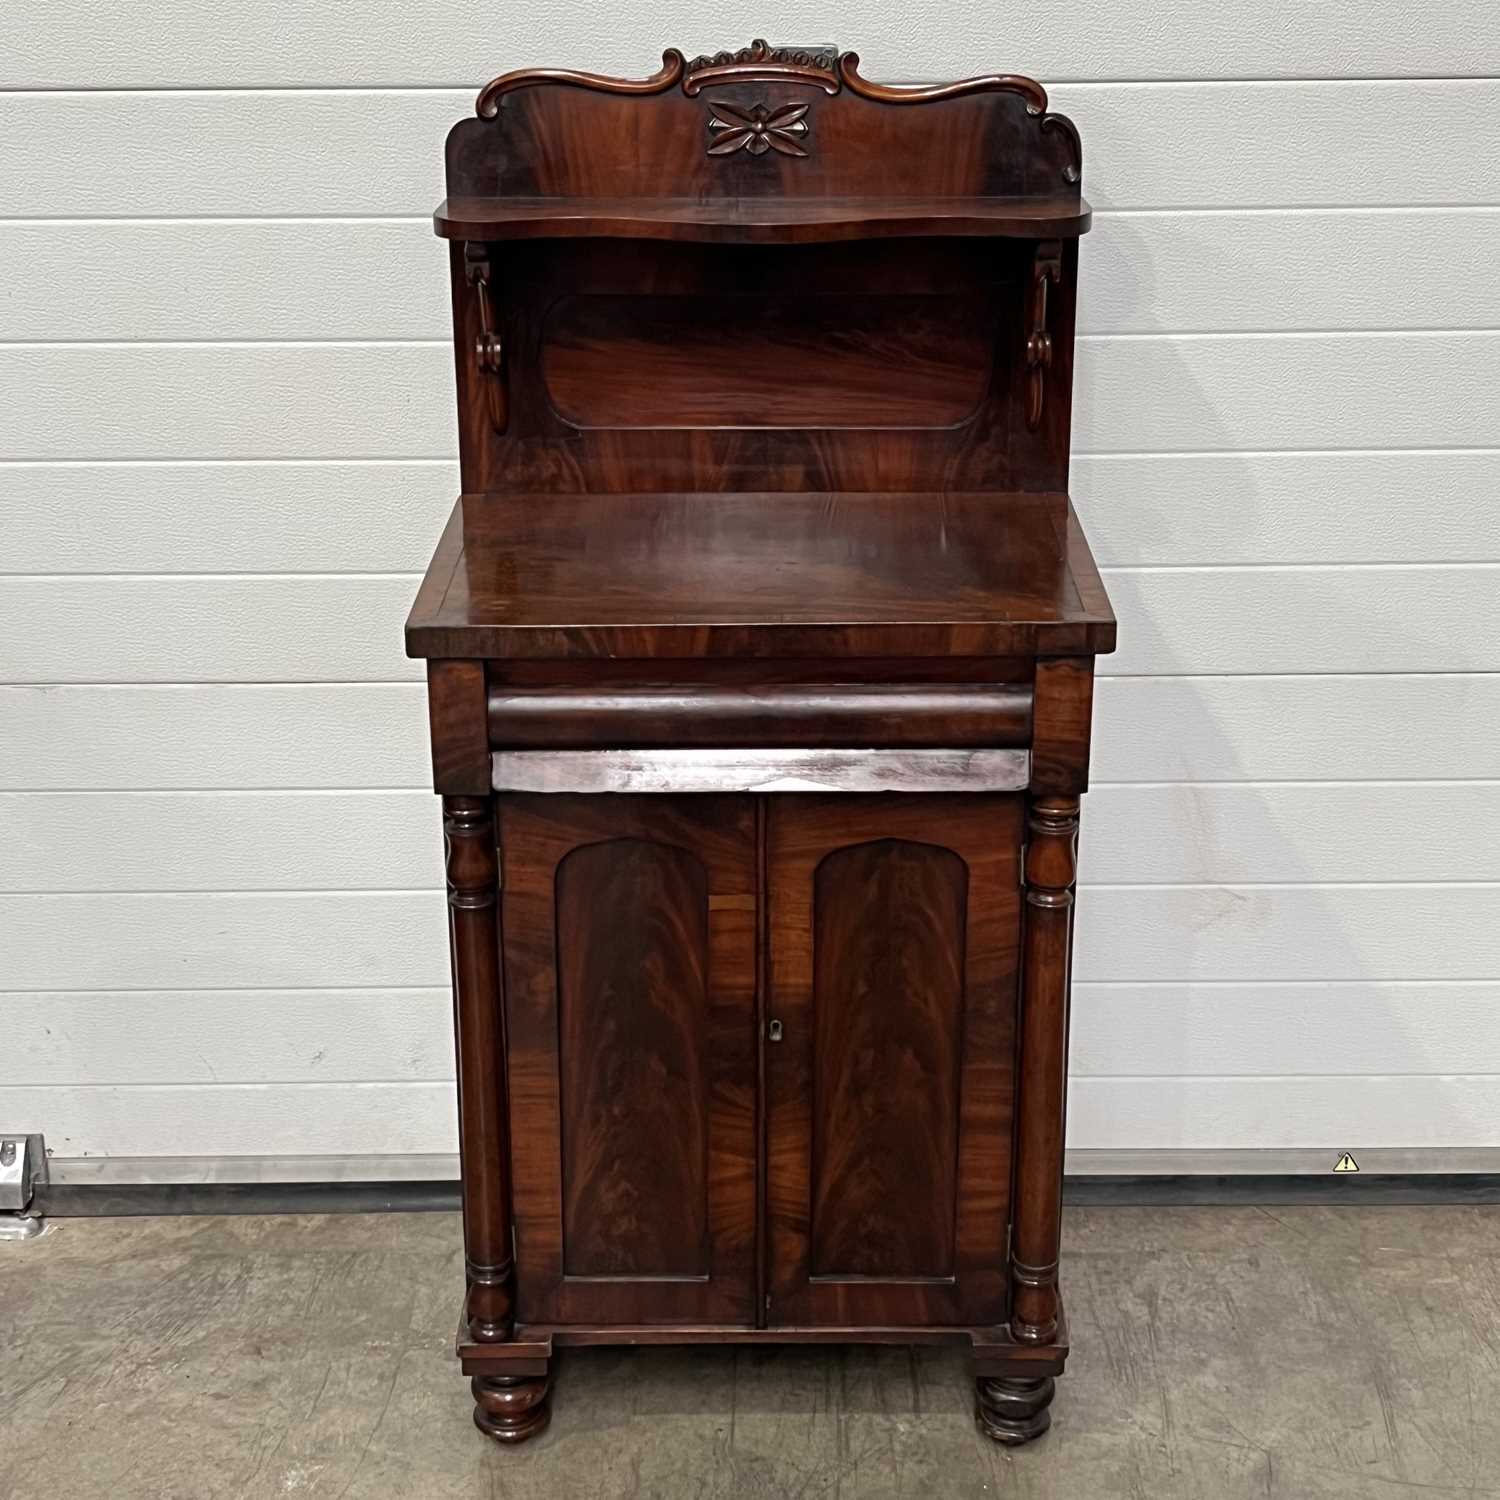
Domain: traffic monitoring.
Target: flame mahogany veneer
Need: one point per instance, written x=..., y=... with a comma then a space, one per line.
x=764, y=391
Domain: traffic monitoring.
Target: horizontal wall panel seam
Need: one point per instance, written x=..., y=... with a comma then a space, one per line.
x=250, y=1086
x=441, y=991
x=21, y=684
x=1184, y=455
x=1164, y=336
x=1351, y=782
x=1271, y=984
x=470, y=87
x=189, y=684
x=321, y=892
x=344, y=1085
x=313, y=575
x=425, y=220
x=350, y=989
x=1078, y=985
x=1098, y=335
x=244, y=1085
x=116, y=460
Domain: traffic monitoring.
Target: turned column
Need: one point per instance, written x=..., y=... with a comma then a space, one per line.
x=507, y=1407
x=474, y=929
x=1015, y=1409
x=1051, y=869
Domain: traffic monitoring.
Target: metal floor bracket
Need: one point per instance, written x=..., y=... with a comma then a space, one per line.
x=23, y=1168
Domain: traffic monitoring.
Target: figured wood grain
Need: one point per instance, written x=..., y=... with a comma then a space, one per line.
x=766, y=575
x=592, y=1041
x=755, y=675
x=632, y=996
x=1063, y=724
x=456, y=707
x=888, y=999
x=848, y=361
x=637, y=366
x=623, y=389
x=550, y=133
x=981, y=833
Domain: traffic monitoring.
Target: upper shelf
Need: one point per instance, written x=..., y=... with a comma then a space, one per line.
x=760, y=220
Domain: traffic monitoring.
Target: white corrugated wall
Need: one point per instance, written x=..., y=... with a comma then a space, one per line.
x=226, y=449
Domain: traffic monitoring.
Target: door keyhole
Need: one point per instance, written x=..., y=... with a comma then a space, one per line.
x=773, y=1030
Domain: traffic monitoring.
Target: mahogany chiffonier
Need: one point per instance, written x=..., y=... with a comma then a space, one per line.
x=760, y=659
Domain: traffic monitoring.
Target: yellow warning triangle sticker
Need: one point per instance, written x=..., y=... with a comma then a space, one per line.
x=1345, y=1163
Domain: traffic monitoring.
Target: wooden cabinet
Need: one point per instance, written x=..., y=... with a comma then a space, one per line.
x=760, y=652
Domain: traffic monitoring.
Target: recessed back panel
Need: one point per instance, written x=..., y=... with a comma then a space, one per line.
x=633, y=367
x=796, y=361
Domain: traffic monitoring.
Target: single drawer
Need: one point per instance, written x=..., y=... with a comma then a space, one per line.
x=856, y=715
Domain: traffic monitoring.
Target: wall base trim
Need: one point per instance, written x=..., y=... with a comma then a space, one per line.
x=113, y=1171
x=78, y=1171
x=113, y=1187
x=1281, y=1161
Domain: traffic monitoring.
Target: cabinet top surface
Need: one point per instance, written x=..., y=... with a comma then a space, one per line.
x=761, y=575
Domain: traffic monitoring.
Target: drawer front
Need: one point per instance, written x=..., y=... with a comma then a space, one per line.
x=949, y=715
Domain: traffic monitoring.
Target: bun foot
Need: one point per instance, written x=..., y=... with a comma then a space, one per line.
x=1014, y=1411
x=511, y=1408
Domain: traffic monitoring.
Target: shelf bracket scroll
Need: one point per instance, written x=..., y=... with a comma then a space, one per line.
x=488, y=354
x=1046, y=269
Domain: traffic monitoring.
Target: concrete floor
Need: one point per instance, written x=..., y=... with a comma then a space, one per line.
x=1218, y=1353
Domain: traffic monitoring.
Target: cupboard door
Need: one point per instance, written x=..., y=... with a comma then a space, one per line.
x=629, y=929
x=894, y=936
